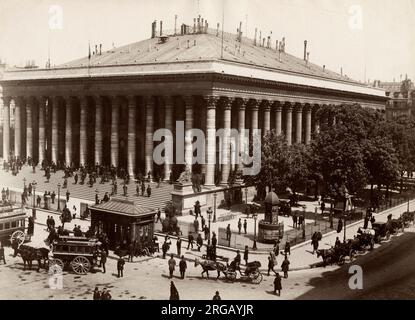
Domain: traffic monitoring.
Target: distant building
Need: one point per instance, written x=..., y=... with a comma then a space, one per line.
x=402, y=98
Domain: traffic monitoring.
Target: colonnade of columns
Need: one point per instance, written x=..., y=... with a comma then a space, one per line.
x=85, y=124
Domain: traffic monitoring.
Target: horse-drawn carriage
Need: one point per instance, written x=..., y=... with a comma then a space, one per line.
x=13, y=224
x=381, y=231
x=337, y=254
x=365, y=238
x=408, y=218
x=80, y=253
x=251, y=273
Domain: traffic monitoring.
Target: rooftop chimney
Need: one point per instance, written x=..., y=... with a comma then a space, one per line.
x=305, y=49
x=153, y=29
x=100, y=48
x=263, y=42
x=283, y=45
x=324, y=67
x=188, y=44
x=341, y=71
x=198, y=24
x=308, y=57
x=161, y=28
x=217, y=29
x=256, y=30
x=260, y=37
x=175, y=23
x=240, y=31
x=206, y=26
x=194, y=25
x=276, y=45
x=96, y=49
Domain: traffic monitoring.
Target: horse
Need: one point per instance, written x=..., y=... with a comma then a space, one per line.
x=29, y=254
x=209, y=265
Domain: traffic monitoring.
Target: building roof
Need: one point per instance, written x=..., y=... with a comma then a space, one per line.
x=205, y=46
x=198, y=53
x=123, y=207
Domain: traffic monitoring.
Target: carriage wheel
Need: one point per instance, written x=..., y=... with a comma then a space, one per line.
x=80, y=265
x=231, y=275
x=256, y=277
x=54, y=263
x=18, y=236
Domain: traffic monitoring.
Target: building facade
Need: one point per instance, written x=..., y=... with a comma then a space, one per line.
x=104, y=108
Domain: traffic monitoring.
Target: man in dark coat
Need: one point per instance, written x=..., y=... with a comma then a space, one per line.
x=287, y=249
x=228, y=232
x=196, y=225
x=216, y=296
x=182, y=267
x=120, y=267
x=179, y=246
x=271, y=264
x=199, y=242
x=245, y=225
x=285, y=267
x=190, y=240
x=277, y=284
x=149, y=191
x=103, y=260
x=214, y=240
x=246, y=253
x=97, y=294
x=239, y=226
x=76, y=178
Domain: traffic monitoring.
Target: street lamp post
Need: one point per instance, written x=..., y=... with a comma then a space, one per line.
x=34, y=183
x=209, y=213
x=59, y=197
x=255, y=215
x=214, y=207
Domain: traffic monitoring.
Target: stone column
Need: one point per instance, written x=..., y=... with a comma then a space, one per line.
x=115, y=114
x=18, y=127
x=308, y=125
x=254, y=116
x=29, y=128
x=278, y=118
x=299, y=123
x=168, y=124
x=149, y=103
x=227, y=105
x=6, y=128
x=267, y=116
x=99, y=153
x=211, y=102
x=68, y=130
x=83, y=138
x=132, y=112
x=55, y=124
x=188, y=126
x=241, y=127
x=288, y=123
x=42, y=131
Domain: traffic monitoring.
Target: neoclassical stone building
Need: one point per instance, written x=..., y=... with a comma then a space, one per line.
x=104, y=108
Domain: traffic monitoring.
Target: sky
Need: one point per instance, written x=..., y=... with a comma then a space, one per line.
x=368, y=39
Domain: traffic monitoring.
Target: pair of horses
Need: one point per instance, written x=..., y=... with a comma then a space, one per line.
x=29, y=254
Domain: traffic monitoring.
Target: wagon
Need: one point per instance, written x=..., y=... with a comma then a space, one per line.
x=12, y=224
x=80, y=253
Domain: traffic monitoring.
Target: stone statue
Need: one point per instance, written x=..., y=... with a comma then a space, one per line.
x=186, y=175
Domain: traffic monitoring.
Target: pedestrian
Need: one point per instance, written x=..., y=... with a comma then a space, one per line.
x=271, y=265
x=203, y=222
x=228, y=232
x=277, y=284
x=285, y=267
x=103, y=260
x=314, y=243
x=106, y=295
x=216, y=296
x=52, y=197
x=120, y=267
x=196, y=225
x=276, y=248
x=190, y=241
x=182, y=267
x=245, y=225
x=76, y=178
x=130, y=252
x=207, y=232
x=179, y=246
x=366, y=222
x=158, y=215
x=174, y=294
x=322, y=206
x=97, y=294
x=143, y=188
x=246, y=252
x=164, y=249
x=67, y=196
x=337, y=243
x=199, y=242
x=295, y=219
x=172, y=265
x=148, y=191
x=214, y=239
x=287, y=249
x=137, y=190
x=239, y=226
x=124, y=187
x=2, y=255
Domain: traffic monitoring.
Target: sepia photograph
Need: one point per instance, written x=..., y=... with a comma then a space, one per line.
x=207, y=150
